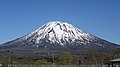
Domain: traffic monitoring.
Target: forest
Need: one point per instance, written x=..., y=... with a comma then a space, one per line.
x=65, y=58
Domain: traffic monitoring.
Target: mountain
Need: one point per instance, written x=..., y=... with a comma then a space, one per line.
x=56, y=37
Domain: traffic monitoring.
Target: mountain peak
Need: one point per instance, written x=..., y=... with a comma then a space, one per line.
x=60, y=36
x=57, y=32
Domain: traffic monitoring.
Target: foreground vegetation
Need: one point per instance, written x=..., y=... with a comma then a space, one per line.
x=65, y=58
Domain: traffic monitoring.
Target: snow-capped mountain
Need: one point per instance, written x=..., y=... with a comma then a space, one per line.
x=59, y=36
x=60, y=33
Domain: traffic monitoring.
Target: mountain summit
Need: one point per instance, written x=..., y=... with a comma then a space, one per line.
x=57, y=37
x=60, y=33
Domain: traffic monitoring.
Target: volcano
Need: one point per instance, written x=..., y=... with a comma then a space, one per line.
x=57, y=37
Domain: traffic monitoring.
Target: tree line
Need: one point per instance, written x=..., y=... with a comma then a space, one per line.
x=65, y=58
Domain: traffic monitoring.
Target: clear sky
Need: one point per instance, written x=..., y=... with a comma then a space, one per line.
x=98, y=17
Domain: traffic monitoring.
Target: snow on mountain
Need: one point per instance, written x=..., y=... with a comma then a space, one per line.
x=60, y=33
x=58, y=37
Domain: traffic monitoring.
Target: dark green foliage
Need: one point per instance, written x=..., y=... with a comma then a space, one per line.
x=42, y=62
x=65, y=58
x=116, y=53
x=93, y=57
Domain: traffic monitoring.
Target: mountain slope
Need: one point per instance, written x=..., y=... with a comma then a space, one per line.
x=57, y=37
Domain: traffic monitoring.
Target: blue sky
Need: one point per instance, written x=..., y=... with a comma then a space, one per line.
x=98, y=17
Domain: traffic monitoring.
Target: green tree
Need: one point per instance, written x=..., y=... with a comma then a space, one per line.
x=42, y=62
x=5, y=61
x=65, y=58
x=92, y=57
x=116, y=53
